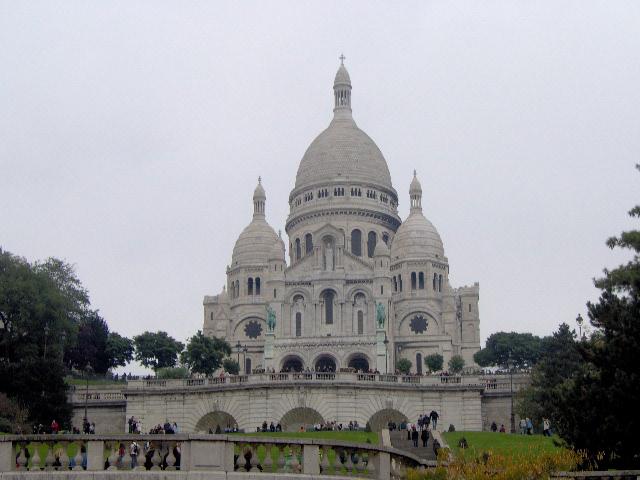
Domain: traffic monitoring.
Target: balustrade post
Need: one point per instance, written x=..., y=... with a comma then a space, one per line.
x=311, y=459
x=384, y=466
x=95, y=455
x=6, y=456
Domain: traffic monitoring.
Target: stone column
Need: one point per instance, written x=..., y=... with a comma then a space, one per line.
x=7, y=460
x=381, y=354
x=95, y=455
x=269, y=338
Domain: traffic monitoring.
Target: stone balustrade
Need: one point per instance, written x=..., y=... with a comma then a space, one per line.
x=303, y=458
x=493, y=383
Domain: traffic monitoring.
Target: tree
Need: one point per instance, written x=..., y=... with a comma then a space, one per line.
x=403, y=365
x=434, y=362
x=205, y=354
x=157, y=350
x=456, y=364
x=91, y=344
x=231, y=366
x=119, y=350
x=599, y=411
x=520, y=350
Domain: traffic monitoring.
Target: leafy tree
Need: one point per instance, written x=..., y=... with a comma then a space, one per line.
x=119, y=350
x=205, y=354
x=157, y=350
x=231, y=366
x=521, y=350
x=403, y=365
x=599, y=412
x=456, y=364
x=434, y=362
x=91, y=344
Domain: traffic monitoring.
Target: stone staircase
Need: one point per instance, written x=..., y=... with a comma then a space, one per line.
x=399, y=441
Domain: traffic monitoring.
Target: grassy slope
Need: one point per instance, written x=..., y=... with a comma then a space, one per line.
x=347, y=436
x=501, y=443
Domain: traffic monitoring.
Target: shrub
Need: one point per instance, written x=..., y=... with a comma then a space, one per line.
x=404, y=366
x=231, y=366
x=451, y=428
x=172, y=373
x=456, y=364
x=367, y=427
x=434, y=362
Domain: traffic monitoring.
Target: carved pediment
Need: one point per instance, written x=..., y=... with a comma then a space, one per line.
x=328, y=229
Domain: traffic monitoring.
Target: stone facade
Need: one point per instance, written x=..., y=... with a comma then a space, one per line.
x=348, y=252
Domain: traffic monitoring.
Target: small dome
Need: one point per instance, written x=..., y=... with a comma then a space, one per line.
x=342, y=76
x=381, y=250
x=415, y=187
x=255, y=244
x=417, y=238
x=259, y=193
x=277, y=251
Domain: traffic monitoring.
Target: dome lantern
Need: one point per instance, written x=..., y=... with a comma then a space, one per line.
x=415, y=194
x=259, y=199
x=342, y=89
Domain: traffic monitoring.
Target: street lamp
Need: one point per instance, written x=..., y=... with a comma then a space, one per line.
x=245, y=349
x=386, y=353
x=579, y=321
x=513, y=418
x=88, y=371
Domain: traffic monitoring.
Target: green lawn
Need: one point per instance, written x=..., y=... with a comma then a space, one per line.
x=501, y=443
x=345, y=435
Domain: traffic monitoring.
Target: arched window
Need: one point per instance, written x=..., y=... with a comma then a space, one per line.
x=250, y=286
x=212, y=312
x=298, y=324
x=247, y=366
x=360, y=322
x=435, y=281
x=237, y=288
x=400, y=282
x=381, y=289
x=421, y=280
x=419, y=363
x=275, y=293
x=395, y=284
x=440, y=283
x=385, y=238
x=371, y=243
x=257, y=285
x=356, y=242
x=298, y=250
x=328, y=297
x=308, y=243
x=413, y=280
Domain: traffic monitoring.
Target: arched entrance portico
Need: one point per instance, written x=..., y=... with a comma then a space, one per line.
x=359, y=361
x=215, y=422
x=292, y=363
x=381, y=419
x=325, y=363
x=300, y=417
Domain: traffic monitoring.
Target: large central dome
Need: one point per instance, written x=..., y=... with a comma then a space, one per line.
x=343, y=152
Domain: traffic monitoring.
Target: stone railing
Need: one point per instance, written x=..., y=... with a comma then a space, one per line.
x=211, y=453
x=477, y=381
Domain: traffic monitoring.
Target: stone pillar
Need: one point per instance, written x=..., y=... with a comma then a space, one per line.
x=7, y=460
x=269, y=338
x=311, y=460
x=381, y=353
x=95, y=455
x=384, y=466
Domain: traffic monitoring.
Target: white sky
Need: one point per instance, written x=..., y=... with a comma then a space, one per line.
x=132, y=134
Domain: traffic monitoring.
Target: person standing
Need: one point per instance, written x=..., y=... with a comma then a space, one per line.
x=523, y=426
x=424, y=436
x=546, y=427
x=133, y=451
x=414, y=436
x=529, y=426
x=434, y=419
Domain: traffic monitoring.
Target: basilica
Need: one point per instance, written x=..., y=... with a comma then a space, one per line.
x=357, y=287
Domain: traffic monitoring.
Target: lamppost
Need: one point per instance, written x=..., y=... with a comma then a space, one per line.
x=88, y=371
x=386, y=353
x=245, y=349
x=579, y=321
x=513, y=418
x=238, y=350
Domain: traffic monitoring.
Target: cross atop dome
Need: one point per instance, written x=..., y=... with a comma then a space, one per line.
x=342, y=58
x=415, y=194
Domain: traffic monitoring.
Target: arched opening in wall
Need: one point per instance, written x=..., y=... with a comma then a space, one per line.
x=385, y=238
x=257, y=285
x=292, y=363
x=237, y=288
x=298, y=324
x=298, y=250
x=413, y=280
x=356, y=242
x=328, y=255
x=419, y=363
x=421, y=280
x=247, y=366
x=400, y=282
x=214, y=422
x=372, y=239
x=360, y=322
x=435, y=281
x=325, y=363
x=328, y=296
x=308, y=243
x=250, y=286
x=440, y=283
x=359, y=362
x=300, y=417
x=382, y=418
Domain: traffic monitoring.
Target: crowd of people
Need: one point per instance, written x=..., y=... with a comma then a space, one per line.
x=526, y=427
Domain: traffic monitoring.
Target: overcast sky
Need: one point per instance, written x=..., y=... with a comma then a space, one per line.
x=132, y=134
